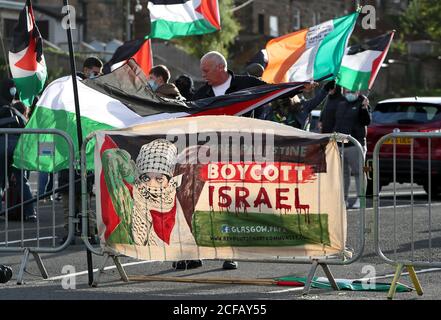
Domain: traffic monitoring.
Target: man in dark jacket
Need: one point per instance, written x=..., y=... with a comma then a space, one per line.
x=352, y=116
x=11, y=118
x=327, y=116
x=220, y=80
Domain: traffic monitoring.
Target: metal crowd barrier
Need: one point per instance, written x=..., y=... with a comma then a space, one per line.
x=313, y=261
x=412, y=236
x=15, y=240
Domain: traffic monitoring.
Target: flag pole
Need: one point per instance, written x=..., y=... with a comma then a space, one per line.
x=77, y=116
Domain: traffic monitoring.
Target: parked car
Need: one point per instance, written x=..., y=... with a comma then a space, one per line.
x=417, y=114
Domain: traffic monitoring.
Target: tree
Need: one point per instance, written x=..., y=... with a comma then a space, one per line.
x=422, y=19
x=220, y=40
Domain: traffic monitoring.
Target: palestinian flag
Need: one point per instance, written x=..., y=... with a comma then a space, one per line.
x=140, y=50
x=309, y=54
x=179, y=18
x=362, y=63
x=26, y=59
x=118, y=100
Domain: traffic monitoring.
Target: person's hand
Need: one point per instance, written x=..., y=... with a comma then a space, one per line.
x=329, y=86
x=310, y=86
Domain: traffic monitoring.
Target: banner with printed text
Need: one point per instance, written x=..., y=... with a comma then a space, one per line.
x=219, y=188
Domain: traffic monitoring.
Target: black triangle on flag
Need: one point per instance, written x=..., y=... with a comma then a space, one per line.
x=27, y=31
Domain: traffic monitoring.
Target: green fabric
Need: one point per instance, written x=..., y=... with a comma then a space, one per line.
x=349, y=285
x=164, y=29
x=332, y=49
x=119, y=167
x=29, y=88
x=353, y=80
x=26, y=153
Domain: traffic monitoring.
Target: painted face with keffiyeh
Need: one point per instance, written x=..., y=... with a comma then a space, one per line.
x=155, y=193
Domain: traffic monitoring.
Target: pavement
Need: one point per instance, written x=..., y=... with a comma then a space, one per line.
x=68, y=275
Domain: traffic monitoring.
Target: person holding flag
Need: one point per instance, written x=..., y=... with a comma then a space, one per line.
x=351, y=113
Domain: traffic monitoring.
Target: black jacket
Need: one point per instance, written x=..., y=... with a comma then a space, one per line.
x=327, y=116
x=351, y=118
x=238, y=82
x=9, y=119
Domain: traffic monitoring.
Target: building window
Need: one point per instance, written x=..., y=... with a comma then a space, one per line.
x=296, y=23
x=274, y=26
x=261, y=23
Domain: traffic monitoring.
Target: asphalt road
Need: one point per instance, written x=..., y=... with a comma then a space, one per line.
x=407, y=243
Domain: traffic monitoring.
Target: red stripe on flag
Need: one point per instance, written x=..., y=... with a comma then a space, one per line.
x=378, y=62
x=210, y=10
x=144, y=57
x=108, y=213
x=236, y=108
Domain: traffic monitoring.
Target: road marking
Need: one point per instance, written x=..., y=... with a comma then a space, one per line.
x=287, y=290
x=95, y=270
x=28, y=240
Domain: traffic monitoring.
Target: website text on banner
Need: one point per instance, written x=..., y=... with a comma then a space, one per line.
x=219, y=188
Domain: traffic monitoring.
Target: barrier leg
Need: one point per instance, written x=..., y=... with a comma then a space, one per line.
x=40, y=265
x=393, y=286
x=24, y=263
x=120, y=268
x=100, y=271
x=310, y=277
x=330, y=276
x=415, y=281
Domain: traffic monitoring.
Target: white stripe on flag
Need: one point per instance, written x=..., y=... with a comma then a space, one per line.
x=303, y=69
x=362, y=61
x=175, y=12
x=94, y=105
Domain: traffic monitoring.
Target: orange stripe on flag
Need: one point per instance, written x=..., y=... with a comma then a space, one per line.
x=283, y=52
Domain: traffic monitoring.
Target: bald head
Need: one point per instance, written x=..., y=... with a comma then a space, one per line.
x=214, y=68
x=215, y=57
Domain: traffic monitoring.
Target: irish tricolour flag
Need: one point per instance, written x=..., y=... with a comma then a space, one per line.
x=362, y=63
x=26, y=59
x=178, y=18
x=309, y=54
